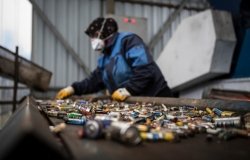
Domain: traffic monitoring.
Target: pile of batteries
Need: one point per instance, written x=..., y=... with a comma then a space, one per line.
x=133, y=123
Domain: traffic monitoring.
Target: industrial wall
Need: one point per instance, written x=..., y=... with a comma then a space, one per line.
x=71, y=17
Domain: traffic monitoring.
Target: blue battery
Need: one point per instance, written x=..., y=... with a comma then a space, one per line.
x=157, y=113
x=207, y=118
x=188, y=108
x=74, y=121
x=155, y=136
x=217, y=111
x=134, y=114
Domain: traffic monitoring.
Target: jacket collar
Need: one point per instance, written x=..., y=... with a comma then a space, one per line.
x=110, y=44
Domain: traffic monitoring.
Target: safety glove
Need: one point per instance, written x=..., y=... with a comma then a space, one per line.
x=120, y=94
x=65, y=92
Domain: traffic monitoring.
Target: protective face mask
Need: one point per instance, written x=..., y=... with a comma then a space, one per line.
x=97, y=44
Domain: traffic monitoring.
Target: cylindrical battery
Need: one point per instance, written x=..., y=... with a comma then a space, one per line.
x=209, y=111
x=156, y=136
x=95, y=128
x=228, y=122
x=80, y=121
x=123, y=132
x=52, y=113
x=61, y=114
x=217, y=111
x=74, y=115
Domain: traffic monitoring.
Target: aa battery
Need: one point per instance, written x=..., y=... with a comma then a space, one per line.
x=207, y=118
x=217, y=111
x=74, y=115
x=123, y=132
x=228, y=114
x=157, y=136
x=214, y=131
x=143, y=128
x=228, y=122
x=52, y=113
x=189, y=108
x=58, y=114
x=209, y=111
x=84, y=110
x=80, y=121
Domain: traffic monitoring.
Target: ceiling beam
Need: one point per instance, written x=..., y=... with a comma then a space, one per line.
x=163, y=4
x=110, y=5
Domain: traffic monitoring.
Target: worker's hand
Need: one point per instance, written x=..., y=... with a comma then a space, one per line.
x=65, y=92
x=120, y=94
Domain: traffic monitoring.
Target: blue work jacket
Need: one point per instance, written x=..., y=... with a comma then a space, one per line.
x=125, y=63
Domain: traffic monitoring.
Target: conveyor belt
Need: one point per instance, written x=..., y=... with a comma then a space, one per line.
x=191, y=148
x=195, y=148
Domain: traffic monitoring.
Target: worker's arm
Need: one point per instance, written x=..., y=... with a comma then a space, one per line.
x=89, y=85
x=141, y=62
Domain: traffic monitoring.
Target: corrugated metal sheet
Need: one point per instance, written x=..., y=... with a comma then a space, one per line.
x=71, y=17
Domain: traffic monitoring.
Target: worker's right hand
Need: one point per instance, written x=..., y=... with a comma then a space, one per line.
x=65, y=92
x=120, y=94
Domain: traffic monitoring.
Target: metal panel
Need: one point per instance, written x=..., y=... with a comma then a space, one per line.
x=61, y=55
x=132, y=24
x=71, y=19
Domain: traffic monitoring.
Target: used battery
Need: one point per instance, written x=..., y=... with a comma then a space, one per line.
x=95, y=129
x=123, y=132
x=80, y=121
x=217, y=111
x=228, y=121
x=74, y=115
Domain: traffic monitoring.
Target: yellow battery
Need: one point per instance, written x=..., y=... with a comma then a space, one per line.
x=148, y=121
x=168, y=136
x=227, y=114
x=179, y=123
x=142, y=128
x=143, y=135
x=209, y=111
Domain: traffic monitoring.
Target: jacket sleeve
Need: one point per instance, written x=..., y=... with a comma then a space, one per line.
x=141, y=63
x=91, y=84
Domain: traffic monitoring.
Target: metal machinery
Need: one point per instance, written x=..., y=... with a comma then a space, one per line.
x=19, y=69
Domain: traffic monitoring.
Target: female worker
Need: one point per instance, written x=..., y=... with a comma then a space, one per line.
x=125, y=66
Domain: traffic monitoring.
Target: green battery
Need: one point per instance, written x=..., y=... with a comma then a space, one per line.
x=74, y=115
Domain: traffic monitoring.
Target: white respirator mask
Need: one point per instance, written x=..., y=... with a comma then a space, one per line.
x=97, y=43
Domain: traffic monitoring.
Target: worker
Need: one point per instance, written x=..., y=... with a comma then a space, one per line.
x=125, y=66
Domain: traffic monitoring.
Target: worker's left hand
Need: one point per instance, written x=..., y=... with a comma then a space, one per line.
x=120, y=94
